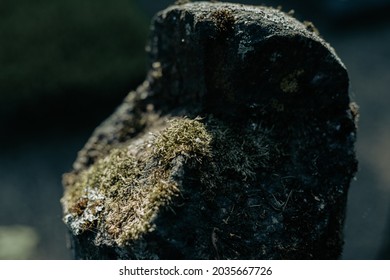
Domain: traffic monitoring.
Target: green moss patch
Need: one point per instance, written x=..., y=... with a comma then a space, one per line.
x=290, y=83
x=121, y=194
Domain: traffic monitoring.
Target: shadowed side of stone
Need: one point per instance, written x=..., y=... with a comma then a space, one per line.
x=238, y=145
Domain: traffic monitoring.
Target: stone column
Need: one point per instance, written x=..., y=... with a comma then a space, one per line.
x=238, y=145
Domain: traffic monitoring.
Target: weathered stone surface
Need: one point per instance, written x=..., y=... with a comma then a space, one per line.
x=239, y=145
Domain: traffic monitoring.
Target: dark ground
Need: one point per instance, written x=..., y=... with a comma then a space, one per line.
x=40, y=140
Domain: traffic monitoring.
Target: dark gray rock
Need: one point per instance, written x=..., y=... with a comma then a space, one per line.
x=263, y=174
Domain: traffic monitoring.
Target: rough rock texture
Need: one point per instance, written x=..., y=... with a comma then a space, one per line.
x=239, y=145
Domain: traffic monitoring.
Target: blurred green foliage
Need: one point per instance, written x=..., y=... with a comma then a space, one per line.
x=17, y=242
x=68, y=47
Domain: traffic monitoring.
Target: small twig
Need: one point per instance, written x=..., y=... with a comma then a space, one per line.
x=214, y=240
x=280, y=206
x=288, y=198
x=227, y=219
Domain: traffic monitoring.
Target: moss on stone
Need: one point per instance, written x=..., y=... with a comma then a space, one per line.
x=239, y=153
x=184, y=137
x=120, y=195
x=264, y=174
x=289, y=84
x=224, y=20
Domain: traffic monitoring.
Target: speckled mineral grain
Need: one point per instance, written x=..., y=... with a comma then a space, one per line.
x=238, y=145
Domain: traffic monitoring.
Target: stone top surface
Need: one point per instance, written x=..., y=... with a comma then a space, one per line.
x=248, y=19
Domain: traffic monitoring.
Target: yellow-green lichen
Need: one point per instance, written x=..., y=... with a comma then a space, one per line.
x=311, y=27
x=289, y=84
x=121, y=194
x=224, y=20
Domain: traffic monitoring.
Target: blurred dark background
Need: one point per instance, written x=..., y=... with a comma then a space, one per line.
x=66, y=64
